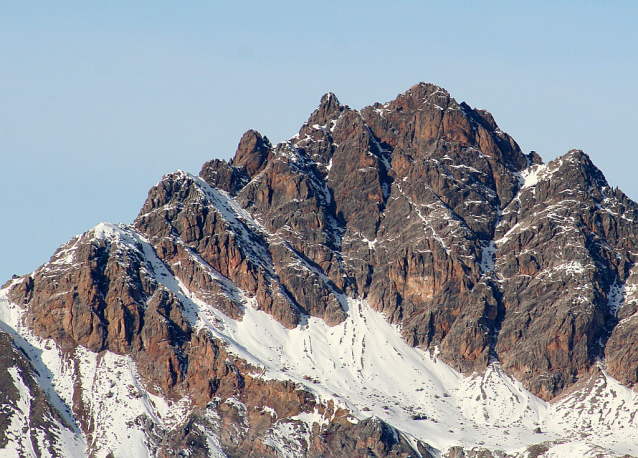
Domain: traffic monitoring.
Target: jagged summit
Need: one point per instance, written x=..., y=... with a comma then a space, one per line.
x=382, y=278
x=252, y=152
x=328, y=106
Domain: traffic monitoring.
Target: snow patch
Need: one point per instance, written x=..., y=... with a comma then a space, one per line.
x=311, y=418
x=615, y=297
x=488, y=253
x=537, y=172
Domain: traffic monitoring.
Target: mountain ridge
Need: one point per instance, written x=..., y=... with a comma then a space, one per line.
x=420, y=210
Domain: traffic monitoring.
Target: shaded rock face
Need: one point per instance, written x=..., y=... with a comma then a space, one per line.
x=371, y=437
x=565, y=256
x=244, y=432
x=422, y=206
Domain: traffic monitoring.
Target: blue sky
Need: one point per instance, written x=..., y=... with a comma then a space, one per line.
x=99, y=99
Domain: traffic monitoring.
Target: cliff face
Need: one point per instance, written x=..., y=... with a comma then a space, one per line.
x=422, y=209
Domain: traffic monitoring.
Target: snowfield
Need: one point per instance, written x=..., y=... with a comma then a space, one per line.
x=364, y=365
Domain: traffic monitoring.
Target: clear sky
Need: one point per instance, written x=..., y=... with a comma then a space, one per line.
x=99, y=99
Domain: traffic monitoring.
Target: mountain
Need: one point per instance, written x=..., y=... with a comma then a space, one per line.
x=400, y=281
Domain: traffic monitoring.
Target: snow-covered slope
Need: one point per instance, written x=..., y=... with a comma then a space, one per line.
x=362, y=365
x=365, y=366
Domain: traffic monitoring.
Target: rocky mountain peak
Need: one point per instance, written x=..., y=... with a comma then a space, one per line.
x=252, y=152
x=413, y=234
x=423, y=94
x=328, y=109
x=252, y=155
x=483, y=117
